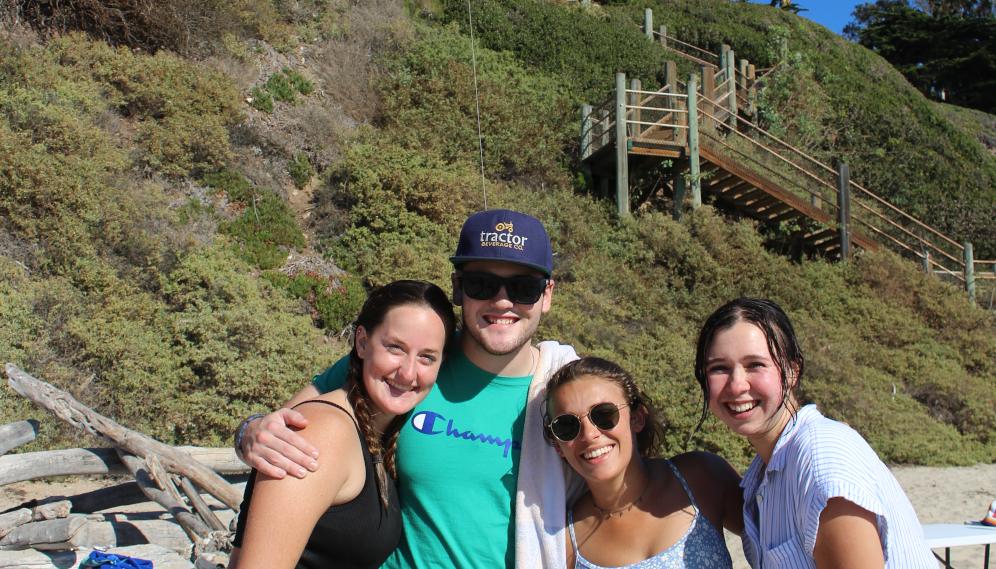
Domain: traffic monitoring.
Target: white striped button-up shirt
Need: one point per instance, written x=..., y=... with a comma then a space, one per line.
x=814, y=460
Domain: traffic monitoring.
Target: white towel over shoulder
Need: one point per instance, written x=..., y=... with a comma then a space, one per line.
x=546, y=483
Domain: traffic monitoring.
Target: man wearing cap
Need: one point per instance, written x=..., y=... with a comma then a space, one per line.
x=478, y=485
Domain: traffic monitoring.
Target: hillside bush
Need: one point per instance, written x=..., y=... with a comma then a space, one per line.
x=262, y=101
x=584, y=48
x=300, y=170
x=281, y=88
x=138, y=311
x=335, y=302
x=266, y=229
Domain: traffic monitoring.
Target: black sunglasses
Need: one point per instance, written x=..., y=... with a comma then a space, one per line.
x=521, y=289
x=567, y=427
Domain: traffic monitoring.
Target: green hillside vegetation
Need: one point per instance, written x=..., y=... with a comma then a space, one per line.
x=833, y=98
x=144, y=304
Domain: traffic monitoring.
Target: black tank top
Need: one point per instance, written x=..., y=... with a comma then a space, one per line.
x=355, y=535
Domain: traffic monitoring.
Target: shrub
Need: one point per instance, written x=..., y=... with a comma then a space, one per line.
x=335, y=302
x=280, y=87
x=266, y=229
x=262, y=101
x=299, y=82
x=300, y=169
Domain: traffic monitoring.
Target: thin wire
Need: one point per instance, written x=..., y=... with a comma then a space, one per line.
x=477, y=97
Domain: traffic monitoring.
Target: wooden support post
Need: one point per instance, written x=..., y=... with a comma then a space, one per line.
x=724, y=50
x=926, y=263
x=635, y=114
x=816, y=200
x=663, y=32
x=751, y=92
x=730, y=65
x=603, y=122
x=742, y=78
x=693, y=141
x=844, y=209
x=603, y=187
x=622, y=148
x=969, y=271
x=586, y=123
x=709, y=92
x=783, y=48
x=648, y=23
x=679, y=195
x=671, y=79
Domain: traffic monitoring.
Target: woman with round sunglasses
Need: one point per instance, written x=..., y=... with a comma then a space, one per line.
x=639, y=512
x=816, y=494
x=346, y=514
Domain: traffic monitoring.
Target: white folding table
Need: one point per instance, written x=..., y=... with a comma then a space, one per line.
x=953, y=535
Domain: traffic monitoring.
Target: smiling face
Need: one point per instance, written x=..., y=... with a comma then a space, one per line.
x=597, y=455
x=745, y=385
x=401, y=358
x=499, y=326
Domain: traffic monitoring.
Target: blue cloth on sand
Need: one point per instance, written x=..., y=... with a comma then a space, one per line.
x=99, y=559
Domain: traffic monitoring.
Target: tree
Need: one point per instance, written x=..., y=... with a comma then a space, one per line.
x=946, y=49
x=788, y=5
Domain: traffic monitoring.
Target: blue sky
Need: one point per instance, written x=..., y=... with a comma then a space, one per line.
x=834, y=14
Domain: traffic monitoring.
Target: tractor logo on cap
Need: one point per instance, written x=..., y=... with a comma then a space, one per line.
x=502, y=239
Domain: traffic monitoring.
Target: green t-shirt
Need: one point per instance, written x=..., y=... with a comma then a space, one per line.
x=458, y=466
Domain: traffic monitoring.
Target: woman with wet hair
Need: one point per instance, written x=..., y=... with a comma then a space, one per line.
x=639, y=511
x=346, y=513
x=816, y=494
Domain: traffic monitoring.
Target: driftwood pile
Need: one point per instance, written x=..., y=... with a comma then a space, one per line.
x=173, y=477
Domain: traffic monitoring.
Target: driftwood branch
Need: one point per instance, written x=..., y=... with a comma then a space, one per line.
x=51, y=511
x=68, y=409
x=64, y=533
x=200, y=505
x=16, y=434
x=124, y=494
x=93, y=461
x=11, y=520
x=78, y=531
x=161, y=558
x=194, y=527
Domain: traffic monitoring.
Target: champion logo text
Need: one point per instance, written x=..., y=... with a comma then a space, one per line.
x=430, y=423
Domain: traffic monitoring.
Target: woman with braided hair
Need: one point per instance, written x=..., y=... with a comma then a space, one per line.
x=346, y=513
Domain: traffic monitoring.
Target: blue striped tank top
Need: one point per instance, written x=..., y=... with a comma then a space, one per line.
x=702, y=546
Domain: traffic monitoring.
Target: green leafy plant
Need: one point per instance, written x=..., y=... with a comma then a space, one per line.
x=262, y=101
x=335, y=301
x=299, y=82
x=300, y=169
x=280, y=87
x=265, y=230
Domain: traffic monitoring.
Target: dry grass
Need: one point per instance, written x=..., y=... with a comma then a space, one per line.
x=346, y=66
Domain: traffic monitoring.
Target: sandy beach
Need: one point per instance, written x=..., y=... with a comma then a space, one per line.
x=939, y=495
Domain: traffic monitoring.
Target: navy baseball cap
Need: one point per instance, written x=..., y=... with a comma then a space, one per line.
x=505, y=235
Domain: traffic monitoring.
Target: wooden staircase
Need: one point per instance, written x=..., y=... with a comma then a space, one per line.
x=702, y=139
